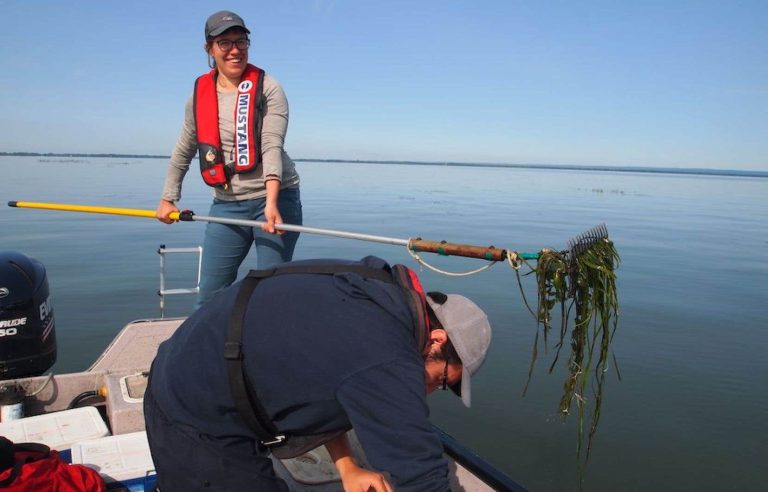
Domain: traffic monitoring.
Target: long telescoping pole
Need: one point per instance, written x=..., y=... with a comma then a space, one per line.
x=489, y=253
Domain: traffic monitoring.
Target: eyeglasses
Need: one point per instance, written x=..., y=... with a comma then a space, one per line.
x=444, y=385
x=227, y=44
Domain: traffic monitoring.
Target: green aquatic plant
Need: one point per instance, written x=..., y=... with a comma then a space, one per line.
x=581, y=281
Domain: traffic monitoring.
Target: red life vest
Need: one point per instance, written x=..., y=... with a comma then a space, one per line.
x=248, y=117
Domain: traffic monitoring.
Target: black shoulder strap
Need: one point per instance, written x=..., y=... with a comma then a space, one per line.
x=244, y=395
x=246, y=403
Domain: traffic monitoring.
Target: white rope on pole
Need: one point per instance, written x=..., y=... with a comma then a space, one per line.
x=514, y=260
x=420, y=261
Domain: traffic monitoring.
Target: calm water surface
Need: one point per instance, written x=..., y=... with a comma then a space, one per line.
x=690, y=411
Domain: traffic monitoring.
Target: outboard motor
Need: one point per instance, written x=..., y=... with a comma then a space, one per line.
x=27, y=335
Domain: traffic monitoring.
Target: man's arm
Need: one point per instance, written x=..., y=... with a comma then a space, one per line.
x=386, y=405
x=354, y=478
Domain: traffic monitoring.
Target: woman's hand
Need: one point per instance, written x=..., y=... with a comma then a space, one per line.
x=271, y=216
x=164, y=209
x=271, y=212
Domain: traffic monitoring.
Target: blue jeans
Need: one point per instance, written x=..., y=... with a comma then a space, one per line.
x=226, y=246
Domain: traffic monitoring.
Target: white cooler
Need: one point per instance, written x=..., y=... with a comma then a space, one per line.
x=58, y=430
x=124, y=458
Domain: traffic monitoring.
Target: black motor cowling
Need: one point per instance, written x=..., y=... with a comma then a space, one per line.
x=27, y=327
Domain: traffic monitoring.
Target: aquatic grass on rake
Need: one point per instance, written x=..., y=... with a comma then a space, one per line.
x=582, y=282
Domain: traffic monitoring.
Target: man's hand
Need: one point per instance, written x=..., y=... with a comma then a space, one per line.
x=356, y=479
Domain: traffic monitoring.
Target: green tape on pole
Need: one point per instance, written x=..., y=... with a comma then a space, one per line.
x=441, y=251
x=529, y=256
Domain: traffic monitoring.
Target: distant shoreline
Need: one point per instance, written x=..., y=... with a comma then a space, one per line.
x=626, y=169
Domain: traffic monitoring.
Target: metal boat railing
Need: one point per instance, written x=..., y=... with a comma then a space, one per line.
x=162, y=292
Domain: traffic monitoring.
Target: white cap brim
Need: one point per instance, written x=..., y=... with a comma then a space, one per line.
x=466, y=393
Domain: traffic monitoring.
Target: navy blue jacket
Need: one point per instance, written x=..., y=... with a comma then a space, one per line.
x=325, y=353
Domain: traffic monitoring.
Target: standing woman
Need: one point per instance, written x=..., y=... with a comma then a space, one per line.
x=236, y=120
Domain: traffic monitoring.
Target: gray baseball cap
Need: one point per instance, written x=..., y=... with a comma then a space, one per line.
x=221, y=21
x=468, y=329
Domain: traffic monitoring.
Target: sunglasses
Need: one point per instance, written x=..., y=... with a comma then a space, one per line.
x=444, y=385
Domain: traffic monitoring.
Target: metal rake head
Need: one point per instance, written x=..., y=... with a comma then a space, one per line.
x=582, y=242
x=576, y=247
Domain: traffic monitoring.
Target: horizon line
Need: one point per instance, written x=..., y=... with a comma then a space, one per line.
x=571, y=167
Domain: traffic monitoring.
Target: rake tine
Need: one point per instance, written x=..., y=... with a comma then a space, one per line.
x=582, y=242
x=576, y=247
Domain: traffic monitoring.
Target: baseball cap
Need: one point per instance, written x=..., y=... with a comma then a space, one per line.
x=221, y=21
x=468, y=329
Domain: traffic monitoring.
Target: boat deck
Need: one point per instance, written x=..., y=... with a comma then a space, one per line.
x=135, y=346
x=123, y=368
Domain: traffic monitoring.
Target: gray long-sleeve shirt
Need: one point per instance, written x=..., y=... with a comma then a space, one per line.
x=274, y=160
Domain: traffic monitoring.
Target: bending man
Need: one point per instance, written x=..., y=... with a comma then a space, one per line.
x=314, y=348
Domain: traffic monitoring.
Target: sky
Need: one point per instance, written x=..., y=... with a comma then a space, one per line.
x=652, y=83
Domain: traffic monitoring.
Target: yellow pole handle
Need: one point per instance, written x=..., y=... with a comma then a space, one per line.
x=133, y=212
